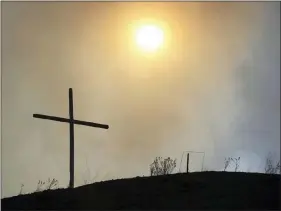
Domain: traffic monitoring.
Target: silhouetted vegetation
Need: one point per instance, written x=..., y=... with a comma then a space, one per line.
x=272, y=167
x=21, y=189
x=226, y=163
x=48, y=185
x=235, y=161
x=162, y=167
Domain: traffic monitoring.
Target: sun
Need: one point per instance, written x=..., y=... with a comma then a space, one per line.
x=149, y=38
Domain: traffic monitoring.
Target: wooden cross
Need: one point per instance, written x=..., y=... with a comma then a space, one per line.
x=71, y=122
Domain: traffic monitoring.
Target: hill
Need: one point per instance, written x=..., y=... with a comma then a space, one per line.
x=199, y=190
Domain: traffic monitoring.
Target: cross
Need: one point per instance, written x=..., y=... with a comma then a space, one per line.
x=71, y=122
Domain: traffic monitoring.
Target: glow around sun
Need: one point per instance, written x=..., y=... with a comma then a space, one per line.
x=149, y=38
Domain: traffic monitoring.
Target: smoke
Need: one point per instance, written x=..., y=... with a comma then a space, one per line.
x=214, y=88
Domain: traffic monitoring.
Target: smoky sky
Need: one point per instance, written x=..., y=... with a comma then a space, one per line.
x=214, y=88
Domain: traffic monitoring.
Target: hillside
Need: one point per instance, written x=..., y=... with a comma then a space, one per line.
x=201, y=190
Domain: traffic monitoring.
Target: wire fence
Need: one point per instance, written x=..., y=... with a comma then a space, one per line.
x=193, y=159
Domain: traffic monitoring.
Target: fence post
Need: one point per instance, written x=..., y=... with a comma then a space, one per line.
x=187, y=163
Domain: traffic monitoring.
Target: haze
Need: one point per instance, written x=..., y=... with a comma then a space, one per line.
x=215, y=87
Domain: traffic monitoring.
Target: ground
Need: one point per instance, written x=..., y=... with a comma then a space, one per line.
x=201, y=190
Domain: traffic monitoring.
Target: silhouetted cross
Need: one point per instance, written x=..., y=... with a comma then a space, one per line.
x=71, y=122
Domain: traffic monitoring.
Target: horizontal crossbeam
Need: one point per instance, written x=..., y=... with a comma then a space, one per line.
x=77, y=122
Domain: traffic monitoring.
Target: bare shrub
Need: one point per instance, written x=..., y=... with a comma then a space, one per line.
x=270, y=167
x=226, y=163
x=40, y=184
x=21, y=188
x=236, y=162
x=229, y=160
x=162, y=167
x=50, y=184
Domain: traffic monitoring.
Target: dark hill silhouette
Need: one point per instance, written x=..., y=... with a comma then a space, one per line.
x=199, y=190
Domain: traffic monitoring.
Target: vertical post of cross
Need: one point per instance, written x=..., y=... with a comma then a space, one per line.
x=71, y=134
x=187, y=163
x=71, y=122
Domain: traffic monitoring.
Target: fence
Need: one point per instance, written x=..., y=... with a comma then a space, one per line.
x=192, y=161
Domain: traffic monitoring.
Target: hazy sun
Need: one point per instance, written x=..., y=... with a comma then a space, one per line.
x=149, y=37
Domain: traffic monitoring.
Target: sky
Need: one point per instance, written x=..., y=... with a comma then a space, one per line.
x=213, y=87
